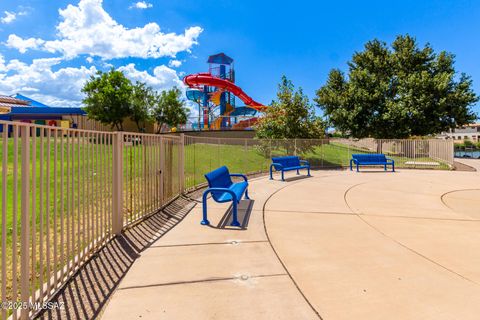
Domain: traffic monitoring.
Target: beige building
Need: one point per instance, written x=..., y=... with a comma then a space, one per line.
x=469, y=132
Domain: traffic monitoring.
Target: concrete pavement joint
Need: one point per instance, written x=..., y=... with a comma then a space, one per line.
x=375, y=215
x=278, y=257
x=242, y=277
x=233, y=242
x=359, y=215
x=452, y=191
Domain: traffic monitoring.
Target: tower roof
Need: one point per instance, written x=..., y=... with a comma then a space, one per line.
x=220, y=58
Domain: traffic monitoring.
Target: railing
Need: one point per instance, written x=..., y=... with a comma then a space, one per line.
x=203, y=154
x=152, y=173
x=65, y=192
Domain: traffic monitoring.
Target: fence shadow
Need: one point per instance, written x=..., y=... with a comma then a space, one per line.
x=87, y=292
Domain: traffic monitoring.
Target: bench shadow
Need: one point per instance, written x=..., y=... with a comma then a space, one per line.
x=299, y=177
x=244, y=211
x=375, y=171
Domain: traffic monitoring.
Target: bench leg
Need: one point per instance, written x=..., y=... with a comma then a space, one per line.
x=246, y=194
x=235, y=222
x=385, y=167
x=298, y=172
x=393, y=167
x=205, y=221
x=309, y=171
x=283, y=178
x=271, y=175
x=357, y=168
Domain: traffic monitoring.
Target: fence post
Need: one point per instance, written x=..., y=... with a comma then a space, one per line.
x=25, y=248
x=295, y=146
x=117, y=214
x=181, y=163
x=162, y=170
x=415, y=153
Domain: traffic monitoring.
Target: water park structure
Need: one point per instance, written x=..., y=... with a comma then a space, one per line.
x=215, y=91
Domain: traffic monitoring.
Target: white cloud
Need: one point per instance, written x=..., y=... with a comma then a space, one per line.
x=23, y=45
x=57, y=88
x=89, y=29
x=163, y=77
x=2, y=64
x=174, y=63
x=141, y=5
x=62, y=87
x=9, y=17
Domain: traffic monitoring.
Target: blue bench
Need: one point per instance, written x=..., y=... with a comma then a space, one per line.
x=222, y=189
x=373, y=159
x=287, y=164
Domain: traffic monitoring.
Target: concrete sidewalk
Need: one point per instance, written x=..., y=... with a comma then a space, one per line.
x=369, y=245
x=212, y=272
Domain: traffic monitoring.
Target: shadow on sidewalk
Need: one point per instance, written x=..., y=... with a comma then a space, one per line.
x=89, y=289
x=244, y=211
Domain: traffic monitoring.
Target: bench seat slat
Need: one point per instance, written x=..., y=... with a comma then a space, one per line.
x=288, y=163
x=238, y=188
x=372, y=159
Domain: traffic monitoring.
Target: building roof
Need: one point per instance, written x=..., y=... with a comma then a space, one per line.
x=13, y=101
x=31, y=102
x=220, y=58
x=46, y=111
x=9, y=105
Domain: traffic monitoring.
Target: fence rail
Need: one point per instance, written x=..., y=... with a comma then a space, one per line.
x=203, y=154
x=65, y=192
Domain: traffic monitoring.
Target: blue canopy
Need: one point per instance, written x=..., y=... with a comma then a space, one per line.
x=33, y=103
x=220, y=58
x=46, y=111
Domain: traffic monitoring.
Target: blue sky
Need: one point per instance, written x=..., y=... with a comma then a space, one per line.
x=48, y=54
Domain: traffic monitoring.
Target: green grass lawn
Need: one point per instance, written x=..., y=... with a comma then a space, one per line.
x=202, y=158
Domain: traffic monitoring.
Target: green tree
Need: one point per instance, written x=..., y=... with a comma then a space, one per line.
x=108, y=98
x=291, y=116
x=169, y=109
x=142, y=103
x=397, y=92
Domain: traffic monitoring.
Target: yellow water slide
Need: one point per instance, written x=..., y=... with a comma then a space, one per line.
x=217, y=123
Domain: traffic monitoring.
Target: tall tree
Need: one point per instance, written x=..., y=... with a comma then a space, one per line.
x=108, y=98
x=170, y=109
x=397, y=92
x=142, y=103
x=290, y=116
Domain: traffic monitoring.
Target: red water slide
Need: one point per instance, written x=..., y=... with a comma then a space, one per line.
x=206, y=79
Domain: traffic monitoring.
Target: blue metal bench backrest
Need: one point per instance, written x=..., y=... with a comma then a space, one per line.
x=219, y=178
x=286, y=162
x=370, y=158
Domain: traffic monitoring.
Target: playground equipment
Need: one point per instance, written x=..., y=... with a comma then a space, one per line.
x=215, y=92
